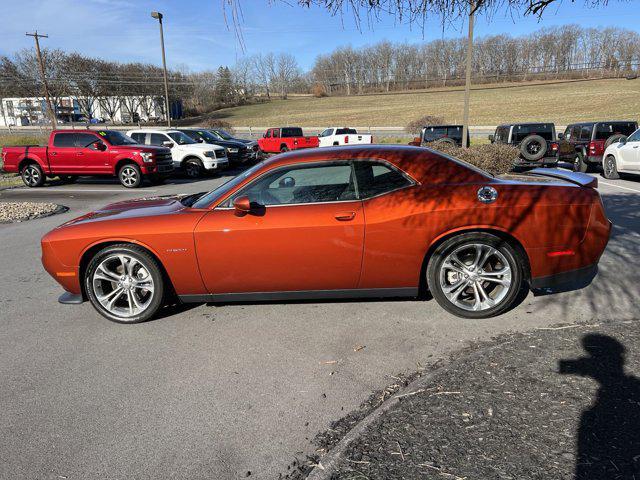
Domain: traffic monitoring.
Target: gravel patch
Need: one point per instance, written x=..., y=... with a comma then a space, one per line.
x=558, y=403
x=21, y=211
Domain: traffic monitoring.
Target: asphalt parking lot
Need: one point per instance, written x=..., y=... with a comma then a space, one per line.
x=221, y=391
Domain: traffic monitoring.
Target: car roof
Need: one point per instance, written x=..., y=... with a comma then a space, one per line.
x=602, y=121
x=441, y=126
x=525, y=123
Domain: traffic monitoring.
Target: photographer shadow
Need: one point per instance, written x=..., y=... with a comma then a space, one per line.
x=609, y=432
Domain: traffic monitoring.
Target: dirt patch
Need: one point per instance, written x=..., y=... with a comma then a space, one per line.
x=22, y=211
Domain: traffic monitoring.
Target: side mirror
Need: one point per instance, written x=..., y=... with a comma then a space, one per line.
x=622, y=141
x=100, y=146
x=264, y=135
x=167, y=144
x=492, y=138
x=242, y=205
x=561, y=136
x=287, y=182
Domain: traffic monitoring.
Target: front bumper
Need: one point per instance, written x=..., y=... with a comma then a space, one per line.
x=215, y=163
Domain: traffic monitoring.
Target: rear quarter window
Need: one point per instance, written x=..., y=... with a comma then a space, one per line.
x=605, y=129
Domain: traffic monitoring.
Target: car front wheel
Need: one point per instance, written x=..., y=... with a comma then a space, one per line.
x=124, y=284
x=130, y=176
x=610, y=168
x=475, y=275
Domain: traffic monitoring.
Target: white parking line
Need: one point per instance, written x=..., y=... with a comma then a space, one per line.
x=77, y=190
x=618, y=186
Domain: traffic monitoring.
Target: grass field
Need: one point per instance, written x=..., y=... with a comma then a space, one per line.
x=561, y=103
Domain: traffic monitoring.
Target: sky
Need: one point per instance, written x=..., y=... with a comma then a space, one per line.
x=197, y=37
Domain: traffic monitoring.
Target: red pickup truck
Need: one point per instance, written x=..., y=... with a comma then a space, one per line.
x=284, y=139
x=72, y=153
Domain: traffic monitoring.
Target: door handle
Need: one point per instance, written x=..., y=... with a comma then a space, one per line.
x=79, y=153
x=54, y=153
x=345, y=216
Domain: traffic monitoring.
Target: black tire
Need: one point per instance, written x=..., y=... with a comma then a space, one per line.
x=148, y=263
x=193, y=168
x=130, y=175
x=533, y=148
x=610, y=168
x=32, y=175
x=68, y=178
x=579, y=165
x=284, y=148
x=504, y=296
x=613, y=139
x=446, y=140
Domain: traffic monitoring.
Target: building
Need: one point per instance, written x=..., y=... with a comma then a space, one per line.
x=25, y=111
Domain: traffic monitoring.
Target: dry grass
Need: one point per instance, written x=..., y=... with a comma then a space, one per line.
x=495, y=158
x=561, y=103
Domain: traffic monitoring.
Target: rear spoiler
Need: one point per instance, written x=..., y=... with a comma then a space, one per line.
x=576, y=178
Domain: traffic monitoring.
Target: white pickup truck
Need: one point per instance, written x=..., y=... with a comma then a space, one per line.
x=333, y=136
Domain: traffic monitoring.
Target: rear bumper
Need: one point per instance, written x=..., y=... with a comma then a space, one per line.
x=578, y=278
x=543, y=162
x=594, y=158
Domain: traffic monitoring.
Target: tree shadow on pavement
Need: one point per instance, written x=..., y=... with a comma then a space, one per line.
x=609, y=431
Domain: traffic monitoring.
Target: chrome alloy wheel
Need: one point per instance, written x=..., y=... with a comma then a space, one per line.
x=123, y=285
x=475, y=277
x=31, y=176
x=129, y=176
x=609, y=166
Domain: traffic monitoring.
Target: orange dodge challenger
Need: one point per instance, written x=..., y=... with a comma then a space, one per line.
x=363, y=221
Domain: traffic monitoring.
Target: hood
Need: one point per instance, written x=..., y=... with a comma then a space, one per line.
x=144, y=207
x=227, y=143
x=142, y=148
x=202, y=147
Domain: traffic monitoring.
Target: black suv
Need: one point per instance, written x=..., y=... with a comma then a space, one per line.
x=440, y=133
x=536, y=142
x=238, y=152
x=583, y=144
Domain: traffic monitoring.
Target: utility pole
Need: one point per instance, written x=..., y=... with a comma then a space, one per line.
x=52, y=113
x=158, y=16
x=467, y=83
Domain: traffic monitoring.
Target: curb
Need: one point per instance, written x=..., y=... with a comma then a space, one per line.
x=327, y=465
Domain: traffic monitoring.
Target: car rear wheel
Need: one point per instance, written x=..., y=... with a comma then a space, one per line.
x=533, y=148
x=130, y=175
x=124, y=284
x=475, y=275
x=610, y=168
x=284, y=148
x=579, y=165
x=32, y=175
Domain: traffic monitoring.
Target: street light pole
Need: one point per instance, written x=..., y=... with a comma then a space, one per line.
x=52, y=113
x=467, y=83
x=158, y=16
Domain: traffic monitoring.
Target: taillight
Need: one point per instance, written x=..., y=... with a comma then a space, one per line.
x=554, y=147
x=596, y=147
x=295, y=141
x=346, y=139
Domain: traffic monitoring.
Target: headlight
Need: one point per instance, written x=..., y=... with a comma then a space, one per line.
x=211, y=154
x=232, y=150
x=147, y=157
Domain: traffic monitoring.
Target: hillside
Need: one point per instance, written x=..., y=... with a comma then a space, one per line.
x=561, y=103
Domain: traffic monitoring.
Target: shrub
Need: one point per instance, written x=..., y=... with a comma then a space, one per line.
x=217, y=123
x=495, y=158
x=415, y=126
x=319, y=91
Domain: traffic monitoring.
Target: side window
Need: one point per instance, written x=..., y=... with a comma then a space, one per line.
x=268, y=135
x=326, y=133
x=502, y=135
x=376, y=178
x=158, y=139
x=567, y=133
x=276, y=133
x=634, y=137
x=86, y=140
x=585, y=133
x=298, y=185
x=64, y=140
x=139, y=137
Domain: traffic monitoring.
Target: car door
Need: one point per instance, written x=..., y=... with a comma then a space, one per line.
x=159, y=139
x=62, y=154
x=93, y=160
x=305, y=232
x=629, y=153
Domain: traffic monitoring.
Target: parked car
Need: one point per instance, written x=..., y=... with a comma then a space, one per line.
x=536, y=141
x=356, y=221
x=251, y=144
x=334, y=136
x=237, y=152
x=71, y=153
x=622, y=156
x=583, y=144
x=440, y=133
x=194, y=158
x=284, y=139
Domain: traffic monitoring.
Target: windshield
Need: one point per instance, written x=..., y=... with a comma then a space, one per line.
x=208, y=136
x=180, y=138
x=116, y=138
x=223, y=134
x=225, y=188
